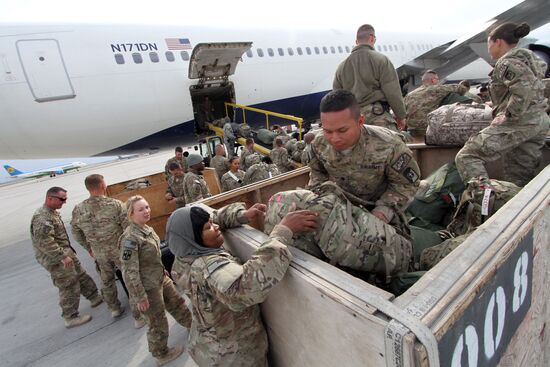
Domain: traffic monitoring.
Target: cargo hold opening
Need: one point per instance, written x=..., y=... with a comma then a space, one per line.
x=208, y=103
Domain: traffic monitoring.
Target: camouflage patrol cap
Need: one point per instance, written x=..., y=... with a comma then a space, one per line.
x=252, y=159
x=193, y=159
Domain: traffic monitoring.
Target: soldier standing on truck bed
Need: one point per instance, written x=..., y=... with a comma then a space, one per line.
x=178, y=158
x=219, y=161
x=371, y=77
x=97, y=224
x=54, y=252
x=195, y=187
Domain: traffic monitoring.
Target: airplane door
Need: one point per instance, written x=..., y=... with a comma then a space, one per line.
x=45, y=70
x=214, y=61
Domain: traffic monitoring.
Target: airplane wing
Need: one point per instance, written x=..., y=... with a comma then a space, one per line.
x=456, y=54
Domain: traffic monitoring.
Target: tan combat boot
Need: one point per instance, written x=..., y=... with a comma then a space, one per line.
x=172, y=354
x=118, y=312
x=139, y=323
x=77, y=321
x=96, y=301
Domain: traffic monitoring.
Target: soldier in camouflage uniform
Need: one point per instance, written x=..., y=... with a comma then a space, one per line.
x=296, y=156
x=233, y=178
x=147, y=281
x=520, y=123
x=53, y=251
x=279, y=156
x=97, y=224
x=225, y=294
x=194, y=187
x=261, y=170
x=178, y=158
x=219, y=162
x=426, y=99
x=174, y=190
x=248, y=150
x=229, y=139
x=371, y=77
x=306, y=154
x=369, y=162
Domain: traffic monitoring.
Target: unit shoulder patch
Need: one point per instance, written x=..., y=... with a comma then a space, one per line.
x=401, y=162
x=410, y=175
x=129, y=245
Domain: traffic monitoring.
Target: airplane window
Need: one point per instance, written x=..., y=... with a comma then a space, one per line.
x=290, y=51
x=390, y=48
x=270, y=52
x=169, y=56
x=308, y=50
x=385, y=48
x=332, y=50
x=119, y=58
x=137, y=58
x=281, y=51
x=154, y=57
x=325, y=50
x=340, y=49
x=249, y=53
x=260, y=52
x=184, y=56
x=395, y=48
x=316, y=50
x=347, y=49
x=300, y=52
x=379, y=48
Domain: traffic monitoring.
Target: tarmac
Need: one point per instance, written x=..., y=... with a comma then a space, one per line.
x=32, y=332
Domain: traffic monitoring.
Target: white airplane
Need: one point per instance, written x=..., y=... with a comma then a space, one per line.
x=88, y=90
x=52, y=171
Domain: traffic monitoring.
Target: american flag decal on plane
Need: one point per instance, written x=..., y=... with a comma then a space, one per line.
x=178, y=43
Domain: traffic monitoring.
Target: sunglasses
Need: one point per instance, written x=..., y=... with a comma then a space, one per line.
x=58, y=198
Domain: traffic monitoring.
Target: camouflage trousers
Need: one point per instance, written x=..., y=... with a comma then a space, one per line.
x=519, y=144
x=72, y=282
x=229, y=147
x=384, y=120
x=107, y=266
x=164, y=298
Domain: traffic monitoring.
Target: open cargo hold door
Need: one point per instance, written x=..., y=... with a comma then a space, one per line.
x=214, y=62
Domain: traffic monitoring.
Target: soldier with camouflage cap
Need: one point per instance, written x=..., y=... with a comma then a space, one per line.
x=53, y=251
x=426, y=99
x=97, y=224
x=260, y=170
x=178, y=158
x=369, y=162
x=174, y=190
x=147, y=281
x=233, y=178
x=372, y=78
x=225, y=294
x=194, y=187
x=279, y=156
x=219, y=161
x=520, y=123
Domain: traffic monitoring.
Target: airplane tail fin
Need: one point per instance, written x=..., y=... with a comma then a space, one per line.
x=12, y=171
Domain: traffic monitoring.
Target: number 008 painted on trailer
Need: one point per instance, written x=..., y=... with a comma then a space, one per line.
x=481, y=335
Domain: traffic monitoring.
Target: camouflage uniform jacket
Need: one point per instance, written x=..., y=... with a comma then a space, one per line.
x=516, y=86
x=371, y=77
x=245, y=153
x=49, y=238
x=227, y=329
x=183, y=164
x=379, y=168
x=194, y=187
x=175, y=188
x=260, y=171
x=426, y=99
x=279, y=156
x=306, y=155
x=142, y=266
x=229, y=182
x=97, y=224
x=220, y=164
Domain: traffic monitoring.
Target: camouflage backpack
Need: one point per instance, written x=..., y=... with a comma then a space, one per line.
x=436, y=205
x=432, y=255
x=349, y=236
x=452, y=125
x=244, y=131
x=266, y=136
x=290, y=146
x=478, y=203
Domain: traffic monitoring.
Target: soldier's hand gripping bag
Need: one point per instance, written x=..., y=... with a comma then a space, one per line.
x=349, y=236
x=452, y=125
x=478, y=202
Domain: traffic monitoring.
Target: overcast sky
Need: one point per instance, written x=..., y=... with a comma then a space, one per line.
x=421, y=15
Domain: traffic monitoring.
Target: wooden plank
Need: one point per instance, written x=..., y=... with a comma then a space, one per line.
x=212, y=181
x=120, y=187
